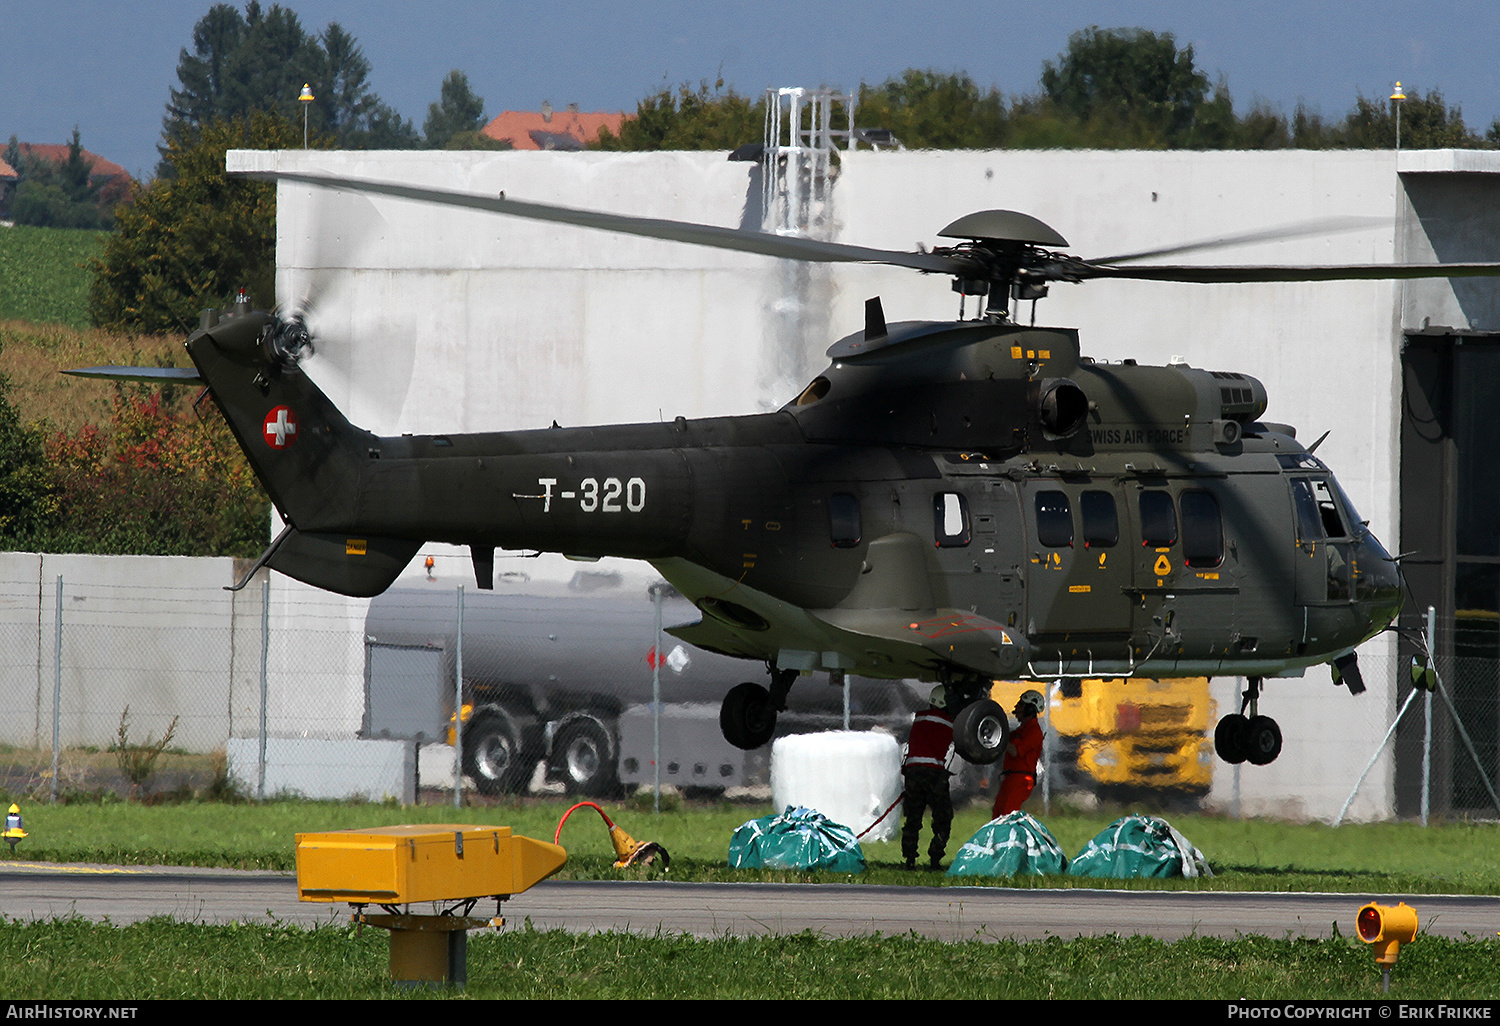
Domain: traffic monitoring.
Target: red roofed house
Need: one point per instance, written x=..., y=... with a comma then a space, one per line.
x=548, y=129
x=8, y=179
x=116, y=182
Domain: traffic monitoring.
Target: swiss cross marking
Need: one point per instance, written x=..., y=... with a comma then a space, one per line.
x=280, y=428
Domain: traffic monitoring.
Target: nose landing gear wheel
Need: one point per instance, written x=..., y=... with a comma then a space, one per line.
x=980, y=732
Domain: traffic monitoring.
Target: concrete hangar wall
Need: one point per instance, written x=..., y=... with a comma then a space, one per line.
x=437, y=320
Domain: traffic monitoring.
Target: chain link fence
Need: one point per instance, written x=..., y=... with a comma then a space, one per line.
x=567, y=687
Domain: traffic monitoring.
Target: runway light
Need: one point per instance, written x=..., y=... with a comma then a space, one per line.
x=1386, y=929
x=14, y=831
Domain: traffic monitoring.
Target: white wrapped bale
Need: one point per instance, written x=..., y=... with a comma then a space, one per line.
x=849, y=776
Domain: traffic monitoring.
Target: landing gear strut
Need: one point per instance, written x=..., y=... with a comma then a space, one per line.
x=748, y=716
x=1253, y=738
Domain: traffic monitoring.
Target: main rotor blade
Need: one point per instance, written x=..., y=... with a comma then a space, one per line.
x=783, y=246
x=1286, y=272
x=1322, y=226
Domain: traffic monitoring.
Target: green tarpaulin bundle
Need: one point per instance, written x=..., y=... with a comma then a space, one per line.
x=796, y=839
x=1013, y=845
x=1139, y=846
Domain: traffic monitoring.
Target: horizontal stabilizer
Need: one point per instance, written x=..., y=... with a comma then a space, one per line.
x=154, y=375
x=359, y=566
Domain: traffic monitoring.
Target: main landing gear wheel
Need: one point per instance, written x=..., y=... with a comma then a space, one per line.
x=980, y=732
x=747, y=717
x=1263, y=740
x=1232, y=739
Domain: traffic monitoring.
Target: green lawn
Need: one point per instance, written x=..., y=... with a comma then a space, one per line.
x=1373, y=858
x=73, y=959
x=43, y=277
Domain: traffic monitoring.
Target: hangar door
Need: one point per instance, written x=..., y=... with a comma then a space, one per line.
x=1450, y=526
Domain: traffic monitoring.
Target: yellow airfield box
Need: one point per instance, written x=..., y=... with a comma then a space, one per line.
x=396, y=865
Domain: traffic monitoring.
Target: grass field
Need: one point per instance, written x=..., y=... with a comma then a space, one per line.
x=31, y=356
x=164, y=959
x=43, y=274
x=1364, y=859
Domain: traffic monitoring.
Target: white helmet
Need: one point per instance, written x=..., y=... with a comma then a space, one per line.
x=939, y=697
x=1032, y=700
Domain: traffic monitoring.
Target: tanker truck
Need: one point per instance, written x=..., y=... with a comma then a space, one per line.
x=562, y=675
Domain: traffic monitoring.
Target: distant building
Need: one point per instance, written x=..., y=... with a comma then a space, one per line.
x=8, y=179
x=115, y=182
x=548, y=129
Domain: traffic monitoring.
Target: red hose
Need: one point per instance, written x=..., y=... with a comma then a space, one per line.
x=596, y=808
x=872, y=826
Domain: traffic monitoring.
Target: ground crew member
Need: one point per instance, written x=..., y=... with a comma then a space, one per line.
x=1018, y=770
x=926, y=773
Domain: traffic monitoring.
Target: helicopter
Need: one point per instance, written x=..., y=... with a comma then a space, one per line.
x=951, y=501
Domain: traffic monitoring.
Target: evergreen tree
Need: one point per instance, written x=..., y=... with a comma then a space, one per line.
x=259, y=61
x=457, y=110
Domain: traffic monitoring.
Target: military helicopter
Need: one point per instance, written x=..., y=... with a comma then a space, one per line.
x=952, y=501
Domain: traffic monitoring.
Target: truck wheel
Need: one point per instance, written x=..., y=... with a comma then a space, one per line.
x=492, y=754
x=582, y=756
x=746, y=717
x=980, y=732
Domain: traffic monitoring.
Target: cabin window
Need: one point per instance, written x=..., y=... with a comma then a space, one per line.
x=1202, y=529
x=950, y=519
x=1158, y=520
x=1101, y=522
x=1054, y=520
x=843, y=520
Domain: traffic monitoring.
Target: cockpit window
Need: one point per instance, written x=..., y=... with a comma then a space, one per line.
x=1320, y=509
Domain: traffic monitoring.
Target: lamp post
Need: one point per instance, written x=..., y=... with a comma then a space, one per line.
x=307, y=97
x=1396, y=99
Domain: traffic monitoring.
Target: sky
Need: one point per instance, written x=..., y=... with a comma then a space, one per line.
x=107, y=66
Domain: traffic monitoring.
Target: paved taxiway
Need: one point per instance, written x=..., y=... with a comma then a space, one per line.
x=128, y=894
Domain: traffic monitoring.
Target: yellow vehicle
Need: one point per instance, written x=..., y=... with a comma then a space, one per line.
x=1128, y=737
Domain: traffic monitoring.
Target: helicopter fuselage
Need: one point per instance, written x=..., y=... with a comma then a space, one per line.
x=962, y=500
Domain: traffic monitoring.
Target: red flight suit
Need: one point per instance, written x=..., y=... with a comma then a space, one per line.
x=1019, y=769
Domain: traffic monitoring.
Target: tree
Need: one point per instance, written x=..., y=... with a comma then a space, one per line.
x=932, y=110
x=259, y=61
x=193, y=238
x=1134, y=79
x=60, y=194
x=357, y=117
x=157, y=481
x=705, y=118
x=1427, y=123
x=26, y=498
x=457, y=110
